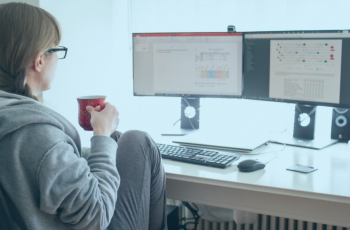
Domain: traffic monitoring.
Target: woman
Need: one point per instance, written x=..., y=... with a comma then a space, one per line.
x=47, y=180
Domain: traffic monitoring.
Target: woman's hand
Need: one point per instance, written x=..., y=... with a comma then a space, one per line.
x=104, y=122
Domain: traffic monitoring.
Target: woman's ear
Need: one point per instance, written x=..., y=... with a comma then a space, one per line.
x=38, y=62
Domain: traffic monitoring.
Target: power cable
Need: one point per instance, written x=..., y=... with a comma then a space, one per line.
x=190, y=220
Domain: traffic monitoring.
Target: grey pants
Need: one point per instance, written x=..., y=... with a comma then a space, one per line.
x=141, y=202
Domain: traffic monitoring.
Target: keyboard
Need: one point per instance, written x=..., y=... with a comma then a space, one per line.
x=198, y=156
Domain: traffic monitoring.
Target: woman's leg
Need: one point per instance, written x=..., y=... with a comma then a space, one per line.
x=141, y=202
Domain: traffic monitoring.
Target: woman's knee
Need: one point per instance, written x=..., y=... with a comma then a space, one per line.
x=142, y=141
x=136, y=136
x=137, y=140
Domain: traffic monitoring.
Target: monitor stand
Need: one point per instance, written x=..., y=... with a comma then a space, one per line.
x=304, y=130
x=189, y=118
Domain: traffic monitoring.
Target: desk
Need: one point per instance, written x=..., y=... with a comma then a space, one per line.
x=322, y=196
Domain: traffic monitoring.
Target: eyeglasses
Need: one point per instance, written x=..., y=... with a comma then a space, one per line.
x=61, y=52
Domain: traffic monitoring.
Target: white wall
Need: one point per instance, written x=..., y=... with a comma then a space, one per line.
x=90, y=65
x=247, y=15
x=98, y=36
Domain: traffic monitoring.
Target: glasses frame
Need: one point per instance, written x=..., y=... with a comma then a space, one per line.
x=60, y=48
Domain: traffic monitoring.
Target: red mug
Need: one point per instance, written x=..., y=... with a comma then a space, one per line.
x=84, y=115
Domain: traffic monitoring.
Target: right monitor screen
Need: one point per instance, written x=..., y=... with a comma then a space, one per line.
x=311, y=67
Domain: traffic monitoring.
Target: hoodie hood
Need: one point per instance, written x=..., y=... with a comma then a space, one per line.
x=17, y=111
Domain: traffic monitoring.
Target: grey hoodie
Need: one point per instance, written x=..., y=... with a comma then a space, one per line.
x=50, y=181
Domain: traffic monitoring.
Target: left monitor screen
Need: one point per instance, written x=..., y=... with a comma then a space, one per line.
x=188, y=64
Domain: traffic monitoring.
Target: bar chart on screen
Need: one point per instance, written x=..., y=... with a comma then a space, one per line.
x=300, y=69
x=216, y=72
x=214, y=63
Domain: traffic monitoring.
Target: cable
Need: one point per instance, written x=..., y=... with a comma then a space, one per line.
x=186, y=101
x=271, y=160
x=288, y=126
x=176, y=122
x=189, y=103
x=195, y=111
x=312, y=111
x=276, y=155
x=300, y=112
x=195, y=216
x=191, y=123
x=275, y=151
x=180, y=118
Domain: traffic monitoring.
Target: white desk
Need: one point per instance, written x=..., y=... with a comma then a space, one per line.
x=322, y=196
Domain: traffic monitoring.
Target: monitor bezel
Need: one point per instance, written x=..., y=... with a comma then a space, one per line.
x=188, y=95
x=299, y=102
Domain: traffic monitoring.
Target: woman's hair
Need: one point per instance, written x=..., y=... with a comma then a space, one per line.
x=25, y=30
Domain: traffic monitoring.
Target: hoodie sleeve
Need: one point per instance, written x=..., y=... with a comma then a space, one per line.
x=82, y=192
x=85, y=152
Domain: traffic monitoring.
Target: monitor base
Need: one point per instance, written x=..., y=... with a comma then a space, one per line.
x=176, y=131
x=304, y=133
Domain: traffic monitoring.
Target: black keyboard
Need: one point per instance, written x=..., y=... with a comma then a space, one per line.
x=198, y=156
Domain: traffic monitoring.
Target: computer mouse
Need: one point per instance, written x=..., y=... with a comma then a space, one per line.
x=250, y=165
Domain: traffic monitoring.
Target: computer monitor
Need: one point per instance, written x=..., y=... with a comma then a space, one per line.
x=188, y=65
x=302, y=67
x=307, y=67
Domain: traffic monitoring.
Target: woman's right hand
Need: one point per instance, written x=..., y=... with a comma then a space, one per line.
x=104, y=122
